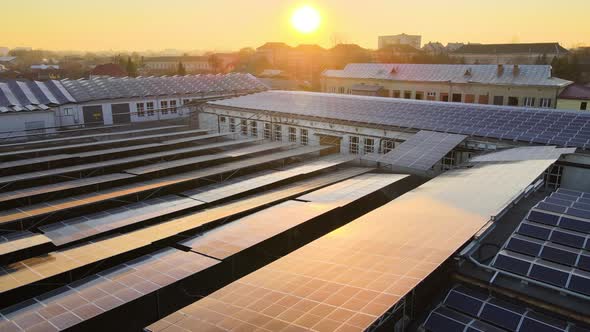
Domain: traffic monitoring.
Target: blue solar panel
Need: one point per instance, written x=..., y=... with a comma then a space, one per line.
x=567, y=238
x=524, y=246
x=559, y=255
x=543, y=218
x=580, y=283
x=499, y=314
x=446, y=320
x=512, y=264
x=535, y=231
x=548, y=274
x=575, y=224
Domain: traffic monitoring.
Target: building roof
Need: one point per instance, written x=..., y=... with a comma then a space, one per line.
x=366, y=87
x=576, y=91
x=529, y=125
x=191, y=58
x=109, y=69
x=400, y=48
x=114, y=88
x=7, y=58
x=25, y=95
x=536, y=75
x=537, y=48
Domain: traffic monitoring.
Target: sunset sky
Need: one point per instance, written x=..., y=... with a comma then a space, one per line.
x=231, y=24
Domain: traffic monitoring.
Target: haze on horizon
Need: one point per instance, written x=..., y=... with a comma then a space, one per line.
x=232, y=24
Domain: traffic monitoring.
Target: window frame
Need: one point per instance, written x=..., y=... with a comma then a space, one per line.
x=304, y=134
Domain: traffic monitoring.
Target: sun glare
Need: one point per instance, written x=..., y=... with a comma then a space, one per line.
x=306, y=19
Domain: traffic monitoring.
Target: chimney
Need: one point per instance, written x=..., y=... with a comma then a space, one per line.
x=515, y=70
x=500, y=70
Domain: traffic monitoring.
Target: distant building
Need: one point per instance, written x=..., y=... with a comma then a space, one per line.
x=451, y=47
x=107, y=70
x=169, y=64
x=509, y=53
x=305, y=63
x=4, y=51
x=343, y=54
x=7, y=60
x=575, y=97
x=44, y=72
x=22, y=49
x=397, y=53
x=518, y=85
x=434, y=48
x=276, y=54
x=412, y=40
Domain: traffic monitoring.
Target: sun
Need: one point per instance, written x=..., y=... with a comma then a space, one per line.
x=306, y=19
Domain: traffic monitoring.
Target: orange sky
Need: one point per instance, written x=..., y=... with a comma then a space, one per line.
x=231, y=24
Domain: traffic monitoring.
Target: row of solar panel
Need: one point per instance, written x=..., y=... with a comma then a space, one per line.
x=574, y=129
x=465, y=309
x=553, y=252
x=563, y=221
x=92, y=296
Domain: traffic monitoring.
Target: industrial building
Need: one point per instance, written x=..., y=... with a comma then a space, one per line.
x=512, y=85
x=283, y=210
x=515, y=53
x=33, y=107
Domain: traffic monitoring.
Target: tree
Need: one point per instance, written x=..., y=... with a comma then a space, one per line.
x=130, y=67
x=181, y=71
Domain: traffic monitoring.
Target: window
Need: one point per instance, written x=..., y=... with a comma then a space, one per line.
x=396, y=94
x=232, y=125
x=545, y=102
x=164, y=106
x=244, y=127
x=387, y=146
x=140, y=109
x=173, y=107
x=470, y=99
x=448, y=161
x=407, y=94
x=529, y=102
x=341, y=89
x=583, y=106
x=498, y=100
x=292, y=134
x=456, y=97
x=353, y=145
x=267, y=131
x=444, y=97
x=369, y=145
x=222, y=119
x=419, y=95
x=304, y=136
x=68, y=112
x=278, y=133
x=484, y=100
x=150, y=108
x=431, y=96
x=254, y=128
x=512, y=101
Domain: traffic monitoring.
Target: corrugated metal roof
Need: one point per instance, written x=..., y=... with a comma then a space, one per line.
x=24, y=95
x=537, y=75
x=516, y=48
x=576, y=91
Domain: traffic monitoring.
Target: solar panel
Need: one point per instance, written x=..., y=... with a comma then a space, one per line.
x=524, y=153
x=362, y=269
x=243, y=233
x=62, y=186
x=120, y=161
x=421, y=151
x=75, y=138
x=100, y=143
x=86, y=255
x=477, y=120
x=99, y=293
x=466, y=308
x=17, y=242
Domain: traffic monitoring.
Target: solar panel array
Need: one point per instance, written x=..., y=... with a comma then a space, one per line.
x=112, y=88
x=524, y=153
x=466, y=309
x=25, y=95
x=528, y=125
x=421, y=151
x=350, y=277
x=107, y=290
x=552, y=244
x=243, y=233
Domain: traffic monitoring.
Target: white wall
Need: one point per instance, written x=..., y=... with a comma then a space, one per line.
x=16, y=121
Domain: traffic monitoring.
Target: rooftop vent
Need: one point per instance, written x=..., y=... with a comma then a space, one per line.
x=500, y=70
x=467, y=72
x=515, y=70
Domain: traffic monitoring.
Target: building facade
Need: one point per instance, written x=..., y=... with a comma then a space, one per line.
x=533, y=53
x=169, y=64
x=530, y=86
x=404, y=39
x=575, y=97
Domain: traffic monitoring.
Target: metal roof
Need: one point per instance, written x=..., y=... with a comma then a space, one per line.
x=126, y=87
x=25, y=95
x=543, y=48
x=537, y=75
x=530, y=125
